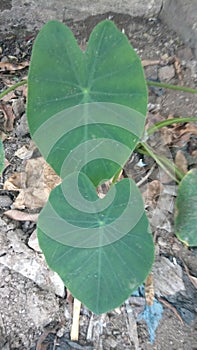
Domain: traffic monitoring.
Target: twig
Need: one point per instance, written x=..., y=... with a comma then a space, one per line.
x=132, y=326
x=146, y=63
x=192, y=278
x=44, y=335
x=90, y=328
x=171, y=308
x=74, y=334
x=139, y=183
x=2, y=324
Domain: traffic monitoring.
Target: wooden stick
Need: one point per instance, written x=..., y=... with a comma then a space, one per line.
x=74, y=334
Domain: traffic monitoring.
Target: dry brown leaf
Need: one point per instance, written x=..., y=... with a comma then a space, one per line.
x=26, y=151
x=154, y=189
x=34, y=184
x=6, y=117
x=190, y=128
x=7, y=66
x=16, y=182
x=3, y=136
x=20, y=215
x=32, y=198
x=178, y=134
x=51, y=179
x=34, y=171
x=181, y=162
x=194, y=154
x=178, y=69
x=167, y=135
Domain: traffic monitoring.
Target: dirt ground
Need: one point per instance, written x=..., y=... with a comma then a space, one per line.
x=31, y=312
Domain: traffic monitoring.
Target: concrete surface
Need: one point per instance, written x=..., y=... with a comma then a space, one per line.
x=180, y=15
x=34, y=13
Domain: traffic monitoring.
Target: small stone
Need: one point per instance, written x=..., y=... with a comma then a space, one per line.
x=22, y=127
x=3, y=225
x=111, y=343
x=193, y=68
x=166, y=73
x=185, y=54
x=5, y=201
x=67, y=314
x=4, y=59
x=61, y=332
x=18, y=107
x=162, y=242
x=7, y=279
x=33, y=242
x=164, y=57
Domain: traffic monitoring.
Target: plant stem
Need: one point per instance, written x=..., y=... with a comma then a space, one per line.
x=171, y=87
x=116, y=176
x=167, y=122
x=168, y=166
x=13, y=87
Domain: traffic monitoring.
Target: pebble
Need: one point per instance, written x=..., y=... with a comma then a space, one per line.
x=22, y=127
x=18, y=107
x=5, y=201
x=33, y=242
x=166, y=73
x=4, y=59
x=111, y=343
x=185, y=54
x=193, y=68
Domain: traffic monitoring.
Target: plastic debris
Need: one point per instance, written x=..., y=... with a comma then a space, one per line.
x=152, y=315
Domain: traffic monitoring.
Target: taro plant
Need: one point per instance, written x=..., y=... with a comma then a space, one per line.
x=86, y=113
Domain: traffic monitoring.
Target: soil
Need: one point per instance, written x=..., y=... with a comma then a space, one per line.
x=31, y=315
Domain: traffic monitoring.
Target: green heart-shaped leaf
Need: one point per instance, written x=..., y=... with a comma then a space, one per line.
x=102, y=249
x=62, y=78
x=186, y=205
